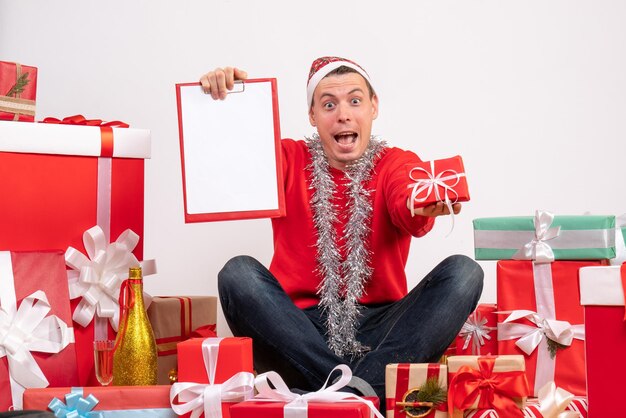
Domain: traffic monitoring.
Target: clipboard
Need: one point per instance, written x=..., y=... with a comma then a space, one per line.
x=230, y=151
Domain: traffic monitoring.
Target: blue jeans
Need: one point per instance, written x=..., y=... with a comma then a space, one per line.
x=291, y=341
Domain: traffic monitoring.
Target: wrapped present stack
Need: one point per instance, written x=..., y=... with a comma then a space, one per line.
x=540, y=315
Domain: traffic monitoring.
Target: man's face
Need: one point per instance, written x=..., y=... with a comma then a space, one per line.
x=343, y=113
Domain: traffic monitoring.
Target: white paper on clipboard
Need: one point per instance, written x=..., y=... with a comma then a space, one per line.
x=231, y=152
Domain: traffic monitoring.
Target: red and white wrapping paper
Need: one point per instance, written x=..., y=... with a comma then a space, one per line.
x=478, y=335
x=272, y=389
x=63, y=180
x=403, y=377
x=553, y=402
x=207, y=398
x=603, y=292
x=544, y=302
x=36, y=337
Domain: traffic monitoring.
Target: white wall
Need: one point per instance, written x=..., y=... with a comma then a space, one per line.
x=532, y=94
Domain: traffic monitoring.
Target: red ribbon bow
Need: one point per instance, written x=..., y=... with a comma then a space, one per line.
x=493, y=390
x=80, y=120
x=106, y=129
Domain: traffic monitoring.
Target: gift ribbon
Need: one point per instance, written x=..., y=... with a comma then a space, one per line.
x=98, y=276
x=475, y=329
x=532, y=336
x=297, y=404
x=620, y=245
x=25, y=329
x=490, y=389
x=106, y=129
x=199, y=398
x=103, y=214
x=75, y=406
x=432, y=184
x=403, y=371
x=16, y=104
x=538, y=249
x=554, y=401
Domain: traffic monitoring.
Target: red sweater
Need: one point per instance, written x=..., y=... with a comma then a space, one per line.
x=294, y=263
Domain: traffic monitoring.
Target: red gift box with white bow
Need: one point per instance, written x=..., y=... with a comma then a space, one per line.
x=545, y=323
x=36, y=336
x=213, y=375
x=62, y=179
x=437, y=181
x=478, y=335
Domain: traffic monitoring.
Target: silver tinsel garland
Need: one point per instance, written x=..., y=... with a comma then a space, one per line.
x=342, y=282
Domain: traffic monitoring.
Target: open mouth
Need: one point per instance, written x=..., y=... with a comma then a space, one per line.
x=346, y=138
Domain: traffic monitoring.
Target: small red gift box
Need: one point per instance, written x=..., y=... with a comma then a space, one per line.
x=234, y=355
x=261, y=409
x=18, y=91
x=545, y=303
x=61, y=184
x=402, y=379
x=173, y=319
x=211, y=361
x=437, y=181
x=481, y=382
x=478, y=335
x=36, y=345
x=603, y=292
x=109, y=401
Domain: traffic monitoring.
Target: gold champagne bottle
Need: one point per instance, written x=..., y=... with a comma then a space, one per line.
x=135, y=357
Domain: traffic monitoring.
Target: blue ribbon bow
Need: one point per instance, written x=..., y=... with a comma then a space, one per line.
x=75, y=406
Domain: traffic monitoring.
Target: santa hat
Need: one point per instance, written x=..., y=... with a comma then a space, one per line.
x=324, y=65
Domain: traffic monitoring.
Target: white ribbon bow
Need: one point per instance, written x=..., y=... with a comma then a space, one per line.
x=98, y=277
x=297, y=404
x=553, y=401
x=528, y=336
x=207, y=398
x=475, y=329
x=30, y=329
x=431, y=184
x=199, y=398
x=538, y=249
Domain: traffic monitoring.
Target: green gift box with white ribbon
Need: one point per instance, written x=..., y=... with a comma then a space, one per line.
x=545, y=237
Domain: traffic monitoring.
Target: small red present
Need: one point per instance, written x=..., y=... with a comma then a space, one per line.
x=36, y=335
x=478, y=335
x=18, y=91
x=485, y=382
x=275, y=400
x=104, y=402
x=173, y=320
x=402, y=383
x=437, y=181
x=213, y=374
x=229, y=355
x=546, y=323
x=63, y=179
x=603, y=292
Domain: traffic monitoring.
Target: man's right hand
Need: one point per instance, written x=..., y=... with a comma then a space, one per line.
x=218, y=82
